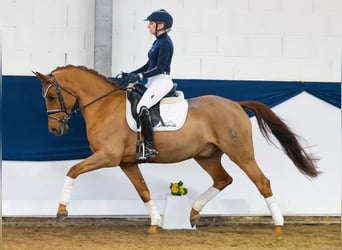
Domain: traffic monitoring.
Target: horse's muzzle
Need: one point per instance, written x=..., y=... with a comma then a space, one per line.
x=59, y=129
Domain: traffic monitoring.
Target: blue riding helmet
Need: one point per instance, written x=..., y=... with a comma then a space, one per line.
x=161, y=16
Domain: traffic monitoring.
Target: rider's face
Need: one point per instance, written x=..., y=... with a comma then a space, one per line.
x=152, y=27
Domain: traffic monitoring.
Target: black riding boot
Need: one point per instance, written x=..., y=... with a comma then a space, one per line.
x=147, y=131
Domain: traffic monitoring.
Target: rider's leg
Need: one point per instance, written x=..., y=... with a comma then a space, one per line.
x=147, y=130
x=158, y=87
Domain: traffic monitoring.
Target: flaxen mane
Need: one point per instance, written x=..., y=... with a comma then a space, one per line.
x=92, y=71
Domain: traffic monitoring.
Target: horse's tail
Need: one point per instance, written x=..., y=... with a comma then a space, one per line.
x=268, y=122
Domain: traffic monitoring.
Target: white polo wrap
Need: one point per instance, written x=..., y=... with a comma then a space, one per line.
x=205, y=198
x=153, y=212
x=66, y=192
x=277, y=217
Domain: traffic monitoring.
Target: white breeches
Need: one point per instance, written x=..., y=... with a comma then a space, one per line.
x=157, y=87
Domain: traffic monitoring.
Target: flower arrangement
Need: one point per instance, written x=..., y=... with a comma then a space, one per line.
x=178, y=189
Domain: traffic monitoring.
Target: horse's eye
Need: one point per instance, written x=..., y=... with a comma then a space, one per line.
x=51, y=97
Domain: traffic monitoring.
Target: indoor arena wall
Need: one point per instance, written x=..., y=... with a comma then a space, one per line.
x=244, y=41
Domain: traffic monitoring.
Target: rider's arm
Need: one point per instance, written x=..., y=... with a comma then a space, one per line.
x=141, y=69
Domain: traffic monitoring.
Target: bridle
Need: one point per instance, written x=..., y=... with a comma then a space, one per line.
x=63, y=108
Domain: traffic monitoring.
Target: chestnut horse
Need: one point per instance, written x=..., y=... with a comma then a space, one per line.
x=214, y=126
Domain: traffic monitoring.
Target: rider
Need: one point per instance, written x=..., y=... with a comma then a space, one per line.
x=157, y=73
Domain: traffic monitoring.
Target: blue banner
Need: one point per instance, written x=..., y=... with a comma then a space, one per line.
x=24, y=121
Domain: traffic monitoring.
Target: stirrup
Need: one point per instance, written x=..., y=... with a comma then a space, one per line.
x=144, y=152
x=150, y=152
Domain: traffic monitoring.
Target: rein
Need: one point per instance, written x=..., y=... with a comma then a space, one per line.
x=92, y=102
x=63, y=108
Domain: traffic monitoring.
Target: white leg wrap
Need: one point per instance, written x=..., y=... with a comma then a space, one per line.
x=66, y=193
x=205, y=198
x=154, y=214
x=277, y=217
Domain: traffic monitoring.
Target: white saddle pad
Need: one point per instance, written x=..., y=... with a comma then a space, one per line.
x=173, y=111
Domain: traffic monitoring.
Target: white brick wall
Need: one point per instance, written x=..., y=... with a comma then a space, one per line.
x=297, y=40
x=43, y=34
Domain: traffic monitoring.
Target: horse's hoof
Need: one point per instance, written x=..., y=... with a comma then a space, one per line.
x=194, y=220
x=152, y=229
x=61, y=216
x=277, y=230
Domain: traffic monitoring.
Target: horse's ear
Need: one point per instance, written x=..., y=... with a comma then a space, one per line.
x=42, y=77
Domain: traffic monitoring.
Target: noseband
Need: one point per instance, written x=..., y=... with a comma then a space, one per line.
x=63, y=109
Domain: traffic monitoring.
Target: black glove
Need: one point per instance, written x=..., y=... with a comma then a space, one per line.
x=132, y=78
x=124, y=79
x=124, y=75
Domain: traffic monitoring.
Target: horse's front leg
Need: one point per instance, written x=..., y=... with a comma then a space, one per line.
x=133, y=173
x=95, y=161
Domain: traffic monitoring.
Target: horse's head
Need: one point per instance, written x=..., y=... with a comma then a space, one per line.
x=59, y=103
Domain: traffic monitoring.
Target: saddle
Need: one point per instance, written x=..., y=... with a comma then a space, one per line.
x=134, y=95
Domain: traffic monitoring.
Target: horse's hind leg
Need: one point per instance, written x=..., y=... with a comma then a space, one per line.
x=220, y=178
x=251, y=168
